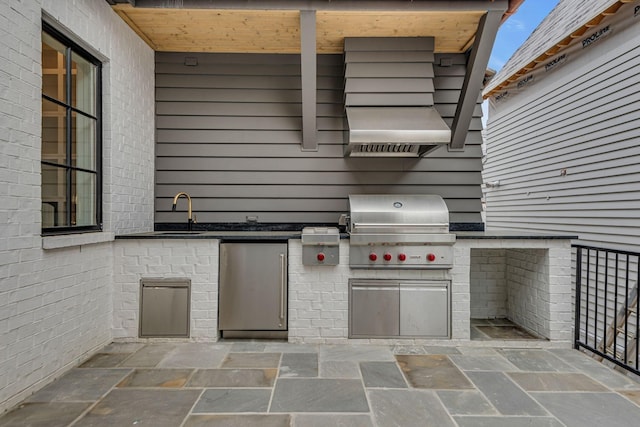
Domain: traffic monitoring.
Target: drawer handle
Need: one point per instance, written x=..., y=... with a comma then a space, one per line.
x=282, y=286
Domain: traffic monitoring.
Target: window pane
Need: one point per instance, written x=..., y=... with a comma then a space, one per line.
x=53, y=68
x=83, y=207
x=54, y=193
x=83, y=81
x=83, y=141
x=54, y=139
x=70, y=138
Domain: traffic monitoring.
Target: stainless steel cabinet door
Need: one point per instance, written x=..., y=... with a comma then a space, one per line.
x=253, y=287
x=374, y=309
x=164, y=310
x=424, y=309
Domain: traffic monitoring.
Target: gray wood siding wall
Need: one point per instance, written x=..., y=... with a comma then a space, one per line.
x=229, y=134
x=583, y=122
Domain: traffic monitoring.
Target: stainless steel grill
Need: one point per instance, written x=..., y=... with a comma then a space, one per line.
x=399, y=231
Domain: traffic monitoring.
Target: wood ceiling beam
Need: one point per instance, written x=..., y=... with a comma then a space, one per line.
x=473, y=79
x=308, y=71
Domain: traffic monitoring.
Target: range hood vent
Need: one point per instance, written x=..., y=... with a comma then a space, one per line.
x=389, y=98
x=395, y=131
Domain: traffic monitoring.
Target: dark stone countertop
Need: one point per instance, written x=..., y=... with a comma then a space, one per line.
x=510, y=235
x=214, y=234
x=280, y=235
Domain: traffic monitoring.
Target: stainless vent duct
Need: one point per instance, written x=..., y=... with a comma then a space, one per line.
x=389, y=98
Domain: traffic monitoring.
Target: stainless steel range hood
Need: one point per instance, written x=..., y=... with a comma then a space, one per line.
x=395, y=131
x=389, y=98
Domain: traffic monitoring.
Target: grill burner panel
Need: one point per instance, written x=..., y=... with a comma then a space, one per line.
x=399, y=231
x=416, y=256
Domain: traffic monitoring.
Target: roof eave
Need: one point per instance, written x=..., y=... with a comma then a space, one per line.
x=495, y=87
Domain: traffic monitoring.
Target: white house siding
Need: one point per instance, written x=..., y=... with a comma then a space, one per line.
x=566, y=150
x=565, y=153
x=56, y=304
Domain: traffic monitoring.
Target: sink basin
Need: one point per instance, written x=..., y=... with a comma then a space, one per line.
x=179, y=233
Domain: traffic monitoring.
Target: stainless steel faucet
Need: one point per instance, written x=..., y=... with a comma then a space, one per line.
x=189, y=217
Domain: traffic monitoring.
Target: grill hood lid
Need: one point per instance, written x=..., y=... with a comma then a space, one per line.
x=389, y=91
x=397, y=213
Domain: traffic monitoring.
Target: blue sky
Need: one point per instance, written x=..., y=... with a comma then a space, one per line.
x=517, y=29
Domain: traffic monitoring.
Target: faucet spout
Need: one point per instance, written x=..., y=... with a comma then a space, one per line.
x=189, y=217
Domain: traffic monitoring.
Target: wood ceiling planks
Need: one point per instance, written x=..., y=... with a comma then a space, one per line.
x=189, y=30
x=278, y=31
x=451, y=30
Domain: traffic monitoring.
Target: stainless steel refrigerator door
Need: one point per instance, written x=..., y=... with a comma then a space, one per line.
x=253, y=287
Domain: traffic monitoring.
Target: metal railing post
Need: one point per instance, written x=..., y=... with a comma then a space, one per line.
x=576, y=331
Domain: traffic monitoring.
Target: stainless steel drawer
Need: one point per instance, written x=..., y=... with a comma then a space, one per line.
x=164, y=307
x=374, y=310
x=424, y=309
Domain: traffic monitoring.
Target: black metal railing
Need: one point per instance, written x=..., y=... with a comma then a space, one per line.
x=606, y=310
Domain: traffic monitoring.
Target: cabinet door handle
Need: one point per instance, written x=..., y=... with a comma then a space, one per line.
x=282, y=286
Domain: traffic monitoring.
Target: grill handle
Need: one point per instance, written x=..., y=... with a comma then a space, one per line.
x=396, y=225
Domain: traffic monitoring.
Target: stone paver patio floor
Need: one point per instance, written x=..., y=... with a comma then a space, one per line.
x=259, y=383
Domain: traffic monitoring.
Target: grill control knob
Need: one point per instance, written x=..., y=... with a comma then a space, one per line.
x=320, y=256
x=373, y=256
x=431, y=257
x=402, y=257
x=387, y=256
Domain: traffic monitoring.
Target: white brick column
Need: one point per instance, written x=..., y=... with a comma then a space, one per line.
x=318, y=298
x=560, y=294
x=460, y=291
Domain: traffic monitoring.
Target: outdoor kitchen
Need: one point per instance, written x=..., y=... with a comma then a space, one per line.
x=272, y=213
x=394, y=273
x=330, y=195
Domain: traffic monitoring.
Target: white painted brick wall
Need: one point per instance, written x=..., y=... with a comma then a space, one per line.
x=195, y=259
x=527, y=275
x=539, y=290
x=56, y=305
x=129, y=106
x=488, y=284
x=55, y=309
